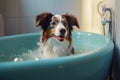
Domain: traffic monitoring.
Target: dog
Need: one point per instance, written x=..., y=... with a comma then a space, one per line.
x=56, y=39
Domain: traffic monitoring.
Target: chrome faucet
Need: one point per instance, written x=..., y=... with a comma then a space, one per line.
x=107, y=19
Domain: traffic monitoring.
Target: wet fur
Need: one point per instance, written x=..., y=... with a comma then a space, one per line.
x=52, y=48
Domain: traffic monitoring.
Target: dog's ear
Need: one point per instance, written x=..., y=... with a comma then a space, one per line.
x=72, y=20
x=43, y=20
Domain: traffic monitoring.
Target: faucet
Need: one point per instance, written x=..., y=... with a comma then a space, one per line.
x=107, y=21
x=106, y=18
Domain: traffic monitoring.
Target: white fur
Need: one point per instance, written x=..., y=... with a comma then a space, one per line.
x=59, y=25
x=54, y=48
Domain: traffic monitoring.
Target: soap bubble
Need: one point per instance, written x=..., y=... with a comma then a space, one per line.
x=17, y=59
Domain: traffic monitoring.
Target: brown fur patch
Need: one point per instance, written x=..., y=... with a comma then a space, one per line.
x=46, y=36
x=55, y=20
x=69, y=37
x=72, y=21
x=43, y=20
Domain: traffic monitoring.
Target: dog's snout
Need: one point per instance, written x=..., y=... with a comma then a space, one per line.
x=62, y=31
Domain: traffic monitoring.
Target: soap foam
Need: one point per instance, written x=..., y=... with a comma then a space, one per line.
x=29, y=55
x=37, y=55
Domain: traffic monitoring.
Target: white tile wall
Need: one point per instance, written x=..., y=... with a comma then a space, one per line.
x=12, y=25
x=27, y=25
x=28, y=8
x=12, y=8
x=25, y=11
x=11, y=17
x=97, y=26
x=20, y=14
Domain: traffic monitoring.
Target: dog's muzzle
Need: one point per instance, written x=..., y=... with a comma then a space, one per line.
x=61, y=37
x=62, y=32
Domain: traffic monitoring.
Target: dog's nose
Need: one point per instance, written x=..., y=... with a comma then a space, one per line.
x=62, y=31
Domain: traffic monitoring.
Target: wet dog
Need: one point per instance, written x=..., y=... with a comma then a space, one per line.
x=56, y=39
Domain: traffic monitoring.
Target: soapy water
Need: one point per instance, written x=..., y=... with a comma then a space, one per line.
x=37, y=55
x=82, y=44
x=29, y=55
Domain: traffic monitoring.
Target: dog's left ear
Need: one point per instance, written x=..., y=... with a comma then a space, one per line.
x=43, y=20
x=72, y=20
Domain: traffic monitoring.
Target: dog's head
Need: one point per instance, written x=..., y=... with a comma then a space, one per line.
x=57, y=26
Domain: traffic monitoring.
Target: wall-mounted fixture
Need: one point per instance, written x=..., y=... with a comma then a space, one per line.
x=106, y=19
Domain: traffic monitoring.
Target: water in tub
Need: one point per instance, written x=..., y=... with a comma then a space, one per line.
x=37, y=55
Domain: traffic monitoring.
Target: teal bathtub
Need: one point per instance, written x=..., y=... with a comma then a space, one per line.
x=91, y=65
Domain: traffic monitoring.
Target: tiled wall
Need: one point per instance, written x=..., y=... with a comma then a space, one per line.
x=19, y=14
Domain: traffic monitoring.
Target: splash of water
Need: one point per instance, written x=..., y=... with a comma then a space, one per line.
x=29, y=55
x=37, y=55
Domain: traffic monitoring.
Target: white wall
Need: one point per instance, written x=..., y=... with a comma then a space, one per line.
x=90, y=19
x=116, y=67
x=20, y=14
x=96, y=25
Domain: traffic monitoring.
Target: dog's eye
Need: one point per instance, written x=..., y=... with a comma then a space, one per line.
x=64, y=23
x=53, y=23
x=51, y=27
